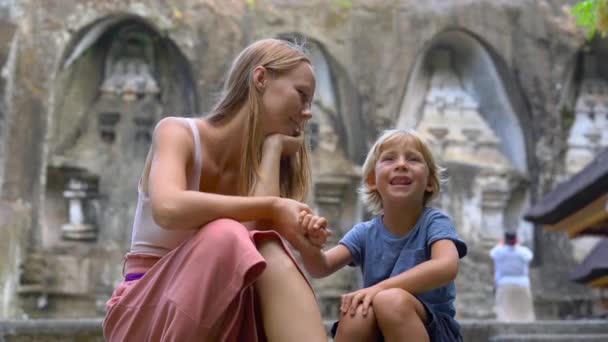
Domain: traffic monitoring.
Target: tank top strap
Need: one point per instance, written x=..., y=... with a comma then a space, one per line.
x=194, y=181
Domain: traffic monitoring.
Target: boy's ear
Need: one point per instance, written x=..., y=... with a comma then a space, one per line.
x=370, y=180
x=429, y=186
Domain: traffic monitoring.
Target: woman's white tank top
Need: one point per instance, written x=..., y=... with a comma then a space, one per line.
x=147, y=236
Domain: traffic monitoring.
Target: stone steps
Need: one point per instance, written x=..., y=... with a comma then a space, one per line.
x=51, y=330
x=89, y=330
x=567, y=330
x=550, y=337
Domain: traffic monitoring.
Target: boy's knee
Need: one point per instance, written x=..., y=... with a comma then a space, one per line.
x=394, y=304
x=358, y=325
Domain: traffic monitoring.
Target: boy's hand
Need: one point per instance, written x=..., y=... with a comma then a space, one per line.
x=364, y=297
x=314, y=228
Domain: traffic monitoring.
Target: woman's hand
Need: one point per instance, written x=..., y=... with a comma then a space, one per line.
x=286, y=218
x=287, y=145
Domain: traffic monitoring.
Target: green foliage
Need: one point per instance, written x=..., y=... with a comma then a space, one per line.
x=586, y=16
x=592, y=15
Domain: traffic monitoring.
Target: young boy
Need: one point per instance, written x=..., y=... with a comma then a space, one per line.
x=408, y=252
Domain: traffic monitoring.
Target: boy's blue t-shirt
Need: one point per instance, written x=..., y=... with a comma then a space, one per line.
x=382, y=255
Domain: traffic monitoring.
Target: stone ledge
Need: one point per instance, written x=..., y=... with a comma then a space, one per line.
x=51, y=330
x=489, y=330
x=550, y=337
x=89, y=330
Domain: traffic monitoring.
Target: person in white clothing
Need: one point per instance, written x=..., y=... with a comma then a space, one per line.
x=513, y=298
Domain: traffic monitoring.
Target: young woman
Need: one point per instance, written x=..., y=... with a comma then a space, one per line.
x=206, y=260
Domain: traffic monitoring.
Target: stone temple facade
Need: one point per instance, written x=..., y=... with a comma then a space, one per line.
x=509, y=93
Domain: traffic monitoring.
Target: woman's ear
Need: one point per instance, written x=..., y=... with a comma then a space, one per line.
x=260, y=76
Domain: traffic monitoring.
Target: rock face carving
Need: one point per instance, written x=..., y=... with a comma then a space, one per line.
x=452, y=122
x=103, y=129
x=589, y=132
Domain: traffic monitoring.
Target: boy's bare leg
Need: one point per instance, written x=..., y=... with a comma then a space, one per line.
x=358, y=328
x=289, y=308
x=400, y=316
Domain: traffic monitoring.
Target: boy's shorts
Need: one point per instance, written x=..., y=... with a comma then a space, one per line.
x=441, y=327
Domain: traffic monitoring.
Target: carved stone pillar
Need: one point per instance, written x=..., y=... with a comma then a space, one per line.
x=495, y=191
x=329, y=196
x=79, y=192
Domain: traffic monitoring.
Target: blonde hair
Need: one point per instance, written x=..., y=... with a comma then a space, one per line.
x=371, y=198
x=277, y=56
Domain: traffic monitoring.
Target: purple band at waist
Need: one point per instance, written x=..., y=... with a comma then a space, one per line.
x=133, y=276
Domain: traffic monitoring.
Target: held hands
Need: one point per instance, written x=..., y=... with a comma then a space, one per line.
x=314, y=228
x=364, y=297
x=287, y=219
x=298, y=225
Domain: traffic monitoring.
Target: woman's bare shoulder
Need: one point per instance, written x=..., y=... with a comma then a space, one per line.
x=173, y=125
x=173, y=131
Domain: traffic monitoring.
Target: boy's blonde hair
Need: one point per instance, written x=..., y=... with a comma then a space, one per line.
x=277, y=56
x=371, y=198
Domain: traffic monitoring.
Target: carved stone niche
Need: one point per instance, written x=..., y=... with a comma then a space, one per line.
x=130, y=66
x=588, y=132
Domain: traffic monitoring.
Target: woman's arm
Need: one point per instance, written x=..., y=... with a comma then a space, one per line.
x=275, y=147
x=175, y=207
x=270, y=166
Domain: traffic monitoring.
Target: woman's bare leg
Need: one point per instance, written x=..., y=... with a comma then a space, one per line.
x=289, y=308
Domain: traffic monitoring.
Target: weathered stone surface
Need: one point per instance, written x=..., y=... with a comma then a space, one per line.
x=51, y=120
x=81, y=330
x=15, y=223
x=88, y=330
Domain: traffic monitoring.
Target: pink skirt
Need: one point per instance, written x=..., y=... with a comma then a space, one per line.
x=182, y=295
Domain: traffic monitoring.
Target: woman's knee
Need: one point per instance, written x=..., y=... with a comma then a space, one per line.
x=394, y=305
x=222, y=234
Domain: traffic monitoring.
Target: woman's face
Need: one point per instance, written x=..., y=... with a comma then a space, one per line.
x=286, y=100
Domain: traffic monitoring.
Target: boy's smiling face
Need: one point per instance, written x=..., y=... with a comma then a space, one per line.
x=400, y=174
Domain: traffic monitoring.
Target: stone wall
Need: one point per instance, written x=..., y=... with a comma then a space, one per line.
x=14, y=236
x=372, y=48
